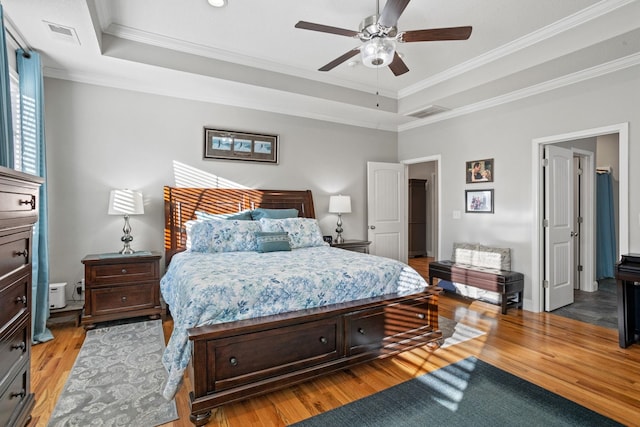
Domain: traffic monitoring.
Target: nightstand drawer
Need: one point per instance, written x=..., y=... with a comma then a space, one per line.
x=117, y=299
x=15, y=300
x=123, y=273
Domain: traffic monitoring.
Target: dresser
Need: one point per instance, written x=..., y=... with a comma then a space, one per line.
x=18, y=213
x=121, y=286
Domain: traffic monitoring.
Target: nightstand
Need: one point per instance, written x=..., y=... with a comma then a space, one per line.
x=121, y=286
x=354, y=245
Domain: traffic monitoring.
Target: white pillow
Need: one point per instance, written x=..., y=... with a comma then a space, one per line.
x=303, y=232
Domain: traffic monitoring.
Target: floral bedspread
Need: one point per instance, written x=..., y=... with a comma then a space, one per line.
x=208, y=288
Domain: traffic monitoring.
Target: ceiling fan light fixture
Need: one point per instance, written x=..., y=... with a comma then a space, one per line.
x=217, y=3
x=378, y=52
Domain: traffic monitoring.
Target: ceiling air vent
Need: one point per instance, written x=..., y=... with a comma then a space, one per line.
x=62, y=32
x=428, y=111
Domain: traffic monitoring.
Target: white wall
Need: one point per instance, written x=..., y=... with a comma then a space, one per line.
x=505, y=133
x=101, y=138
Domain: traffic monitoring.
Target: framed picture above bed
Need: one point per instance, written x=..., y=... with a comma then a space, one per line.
x=232, y=145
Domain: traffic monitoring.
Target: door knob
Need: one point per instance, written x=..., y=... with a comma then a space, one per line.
x=373, y=227
x=574, y=234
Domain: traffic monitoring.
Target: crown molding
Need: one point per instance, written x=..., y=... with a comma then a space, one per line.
x=171, y=43
x=253, y=103
x=569, y=79
x=579, y=18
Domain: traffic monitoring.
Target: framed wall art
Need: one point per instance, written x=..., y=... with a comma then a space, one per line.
x=232, y=145
x=479, y=171
x=478, y=201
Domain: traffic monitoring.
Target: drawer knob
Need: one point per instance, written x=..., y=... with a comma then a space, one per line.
x=24, y=253
x=233, y=361
x=31, y=201
x=124, y=299
x=361, y=331
x=21, y=394
x=323, y=340
x=20, y=346
x=21, y=300
x=124, y=271
x=421, y=316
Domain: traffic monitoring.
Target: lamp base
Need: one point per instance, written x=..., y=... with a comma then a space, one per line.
x=127, y=238
x=339, y=239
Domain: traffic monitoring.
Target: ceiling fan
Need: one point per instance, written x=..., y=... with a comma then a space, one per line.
x=379, y=35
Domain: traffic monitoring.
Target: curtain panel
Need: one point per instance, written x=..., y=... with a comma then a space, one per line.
x=6, y=129
x=33, y=161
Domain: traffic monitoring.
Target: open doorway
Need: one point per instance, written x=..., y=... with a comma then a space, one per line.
x=582, y=144
x=422, y=213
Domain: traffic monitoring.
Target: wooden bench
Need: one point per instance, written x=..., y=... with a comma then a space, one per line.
x=509, y=284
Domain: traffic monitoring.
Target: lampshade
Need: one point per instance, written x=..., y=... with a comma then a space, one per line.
x=340, y=204
x=217, y=3
x=125, y=202
x=378, y=52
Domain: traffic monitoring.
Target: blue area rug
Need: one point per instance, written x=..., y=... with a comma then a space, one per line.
x=117, y=380
x=467, y=393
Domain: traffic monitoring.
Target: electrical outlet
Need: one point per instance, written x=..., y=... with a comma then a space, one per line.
x=79, y=288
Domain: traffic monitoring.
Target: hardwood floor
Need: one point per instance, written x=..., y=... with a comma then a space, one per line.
x=579, y=361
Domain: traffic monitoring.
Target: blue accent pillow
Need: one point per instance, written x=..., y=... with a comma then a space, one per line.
x=303, y=232
x=259, y=213
x=273, y=241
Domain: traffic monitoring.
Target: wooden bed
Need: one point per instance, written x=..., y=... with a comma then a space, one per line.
x=237, y=360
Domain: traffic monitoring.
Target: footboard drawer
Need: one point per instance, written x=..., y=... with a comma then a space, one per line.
x=250, y=357
x=390, y=326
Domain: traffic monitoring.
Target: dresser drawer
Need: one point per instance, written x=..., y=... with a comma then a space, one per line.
x=368, y=328
x=244, y=359
x=116, y=299
x=130, y=272
x=18, y=201
x=15, y=397
x=14, y=252
x=14, y=300
x=14, y=350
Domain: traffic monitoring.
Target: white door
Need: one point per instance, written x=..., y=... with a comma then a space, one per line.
x=558, y=181
x=386, y=210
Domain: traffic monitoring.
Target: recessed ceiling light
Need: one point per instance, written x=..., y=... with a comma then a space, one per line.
x=217, y=3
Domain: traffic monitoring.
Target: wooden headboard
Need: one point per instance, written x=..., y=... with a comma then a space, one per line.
x=180, y=205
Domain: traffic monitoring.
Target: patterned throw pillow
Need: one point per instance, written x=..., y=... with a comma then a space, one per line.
x=303, y=232
x=216, y=235
x=273, y=241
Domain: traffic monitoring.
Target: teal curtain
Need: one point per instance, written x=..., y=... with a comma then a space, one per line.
x=34, y=162
x=6, y=130
x=605, y=227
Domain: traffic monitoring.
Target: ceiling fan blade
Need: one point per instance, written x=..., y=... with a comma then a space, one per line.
x=435, y=34
x=397, y=66
x=326, y=29
x=391, y=12
x=339, y=60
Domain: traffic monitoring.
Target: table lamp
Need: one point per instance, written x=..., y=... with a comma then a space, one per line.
x=339, y=204
x=126, y=202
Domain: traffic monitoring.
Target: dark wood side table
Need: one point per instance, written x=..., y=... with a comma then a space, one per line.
x=121, y=286
x=354, y=245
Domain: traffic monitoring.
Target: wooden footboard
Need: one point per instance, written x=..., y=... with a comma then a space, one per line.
x=238, y=360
